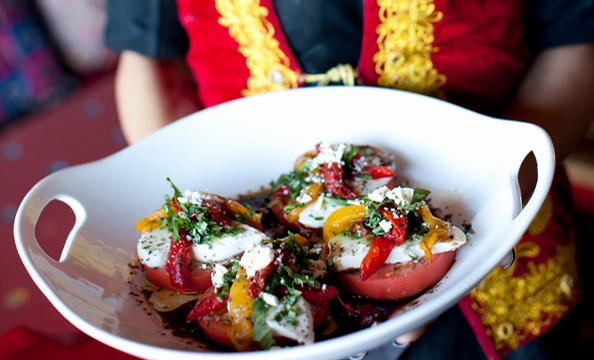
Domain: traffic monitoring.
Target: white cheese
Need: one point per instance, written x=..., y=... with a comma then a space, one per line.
x=227, y=246
x=153, y=247
x=329, y=154
x=269, y=298
x=256, y=258
x=314, y=215
x=347, y=252
x=193, y=197
x=400, y=195
x=217, y=275
x=302, y=332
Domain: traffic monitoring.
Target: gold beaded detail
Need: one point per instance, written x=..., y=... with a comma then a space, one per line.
x=405, y=44
x=269, y=66
x=514, y=307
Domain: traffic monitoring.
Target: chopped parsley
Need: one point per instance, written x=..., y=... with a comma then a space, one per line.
x=193, y=220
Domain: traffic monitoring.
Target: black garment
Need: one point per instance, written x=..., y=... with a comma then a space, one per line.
x=553, y=23
x=148, y=27
x=151, y=27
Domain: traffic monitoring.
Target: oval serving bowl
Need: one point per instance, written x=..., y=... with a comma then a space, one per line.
x=469, y=161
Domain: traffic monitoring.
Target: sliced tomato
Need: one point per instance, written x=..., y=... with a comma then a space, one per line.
x=217, y=324
x=398, y=281
x=197, y=282
x=217, y=327
x=278, y=201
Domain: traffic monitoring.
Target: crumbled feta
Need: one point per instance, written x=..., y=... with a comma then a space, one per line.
x=193, y=197
x=269, y=299
x=256, y=258
x=400, y=195
x=217, y=275
x=385, y=225
x=329, y=154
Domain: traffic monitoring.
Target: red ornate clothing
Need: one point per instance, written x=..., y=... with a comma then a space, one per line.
x=237, y=48
x=473, y=57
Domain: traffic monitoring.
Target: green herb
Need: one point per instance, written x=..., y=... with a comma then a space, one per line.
x=228, y=279
x=289, y=278
x=193, y=219
x=295, y=180
x=261, y=333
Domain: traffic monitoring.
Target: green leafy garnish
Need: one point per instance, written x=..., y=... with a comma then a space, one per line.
x=192, y=219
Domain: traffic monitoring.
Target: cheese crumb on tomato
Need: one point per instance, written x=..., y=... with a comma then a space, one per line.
x=227, y=246
x=399, y=195
x=153, y=247
x=193, y=197
x=301, y=329
x=329, y=154
x=217, y=277
x=256, y=258
x=270, y=299
x=347, y=252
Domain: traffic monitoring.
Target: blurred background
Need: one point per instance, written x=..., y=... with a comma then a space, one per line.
x=57, y=109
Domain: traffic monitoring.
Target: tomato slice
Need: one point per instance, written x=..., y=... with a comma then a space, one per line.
x=217, y=327
x=197, y=281
x=398, y=281
x=217, y=324
x=278, y=201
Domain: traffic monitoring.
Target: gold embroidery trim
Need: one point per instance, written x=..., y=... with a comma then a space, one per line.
x=405, y=38
x=268, y=65
x=343, y=73
x=513, y=308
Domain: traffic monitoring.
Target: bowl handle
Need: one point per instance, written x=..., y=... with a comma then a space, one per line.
x=53, y=187
x=535, y=140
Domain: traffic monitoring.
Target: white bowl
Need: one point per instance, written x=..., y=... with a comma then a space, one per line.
x=469, y=161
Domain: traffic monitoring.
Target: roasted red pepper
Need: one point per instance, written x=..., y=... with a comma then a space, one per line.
x=207, y=303
x=178, y=262
x=379, y=172
x=381, y=246
x=333, y=179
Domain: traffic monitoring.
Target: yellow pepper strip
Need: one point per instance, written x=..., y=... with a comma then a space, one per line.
x=304, y=158
x=255, y=219
x=241, y=308
x=151, y=221
x=301, y=240
x=341, y=219
x=438, y=231
x=313, y=190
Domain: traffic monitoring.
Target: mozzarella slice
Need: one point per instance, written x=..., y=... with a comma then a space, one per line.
x=348, y=252
x=314, y=215
x=227, y=246
x=153, y=247
x=302, y=331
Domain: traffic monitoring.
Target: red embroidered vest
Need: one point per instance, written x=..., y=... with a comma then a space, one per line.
x=473, y=58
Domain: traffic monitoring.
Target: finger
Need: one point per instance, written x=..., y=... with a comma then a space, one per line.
x=508, y=259
x=409, y=337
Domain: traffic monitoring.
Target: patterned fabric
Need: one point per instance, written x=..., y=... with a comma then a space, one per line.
x=30, y=72
x=473, y=60
x=511, y=307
